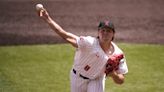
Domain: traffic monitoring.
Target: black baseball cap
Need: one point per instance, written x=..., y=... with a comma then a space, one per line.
x=108, y=24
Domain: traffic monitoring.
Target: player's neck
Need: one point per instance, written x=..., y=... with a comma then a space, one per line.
x=106, y=46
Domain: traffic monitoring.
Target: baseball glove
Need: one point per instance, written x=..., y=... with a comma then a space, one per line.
x=113, y=63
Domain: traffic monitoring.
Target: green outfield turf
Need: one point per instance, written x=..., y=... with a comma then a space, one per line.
x=45, y=68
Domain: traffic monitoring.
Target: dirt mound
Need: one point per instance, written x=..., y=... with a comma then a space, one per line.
x=136, y=21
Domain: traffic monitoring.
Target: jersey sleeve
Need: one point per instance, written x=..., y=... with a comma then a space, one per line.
x=123, y=69
x=84, y=41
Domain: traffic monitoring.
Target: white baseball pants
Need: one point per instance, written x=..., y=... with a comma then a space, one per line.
x=78, y=84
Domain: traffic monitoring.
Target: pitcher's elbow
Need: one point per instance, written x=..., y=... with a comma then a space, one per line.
x=120, y=82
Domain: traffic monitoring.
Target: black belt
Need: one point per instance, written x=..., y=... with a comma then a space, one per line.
x=74, y=71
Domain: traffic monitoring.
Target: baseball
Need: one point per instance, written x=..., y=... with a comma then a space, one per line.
x=39, y=7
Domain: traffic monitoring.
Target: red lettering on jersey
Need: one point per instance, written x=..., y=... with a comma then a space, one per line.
x=87, y=67
x=97, y=55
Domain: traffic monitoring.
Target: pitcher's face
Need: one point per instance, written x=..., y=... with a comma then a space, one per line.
x=105, y=34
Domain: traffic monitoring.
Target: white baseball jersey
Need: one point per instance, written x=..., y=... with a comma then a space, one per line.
x=90, y=59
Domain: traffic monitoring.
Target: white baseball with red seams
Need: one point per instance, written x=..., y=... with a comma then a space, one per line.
x=90, y=61
x=39, y=7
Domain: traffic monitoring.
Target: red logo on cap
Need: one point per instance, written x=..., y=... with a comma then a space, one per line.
x=106, y=23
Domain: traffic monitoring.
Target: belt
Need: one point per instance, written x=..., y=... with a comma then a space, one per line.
x=74, y=71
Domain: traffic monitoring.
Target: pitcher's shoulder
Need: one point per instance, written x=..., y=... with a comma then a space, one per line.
x=117, y=49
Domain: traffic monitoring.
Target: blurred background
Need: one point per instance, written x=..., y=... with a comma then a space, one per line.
x=136, y=21
x=31, y=60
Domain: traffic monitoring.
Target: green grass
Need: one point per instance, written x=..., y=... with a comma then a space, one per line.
x=35, y=68
x=45, y=68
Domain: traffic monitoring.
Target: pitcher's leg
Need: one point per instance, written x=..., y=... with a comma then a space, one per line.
x=97, y=85
x=77, y=83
